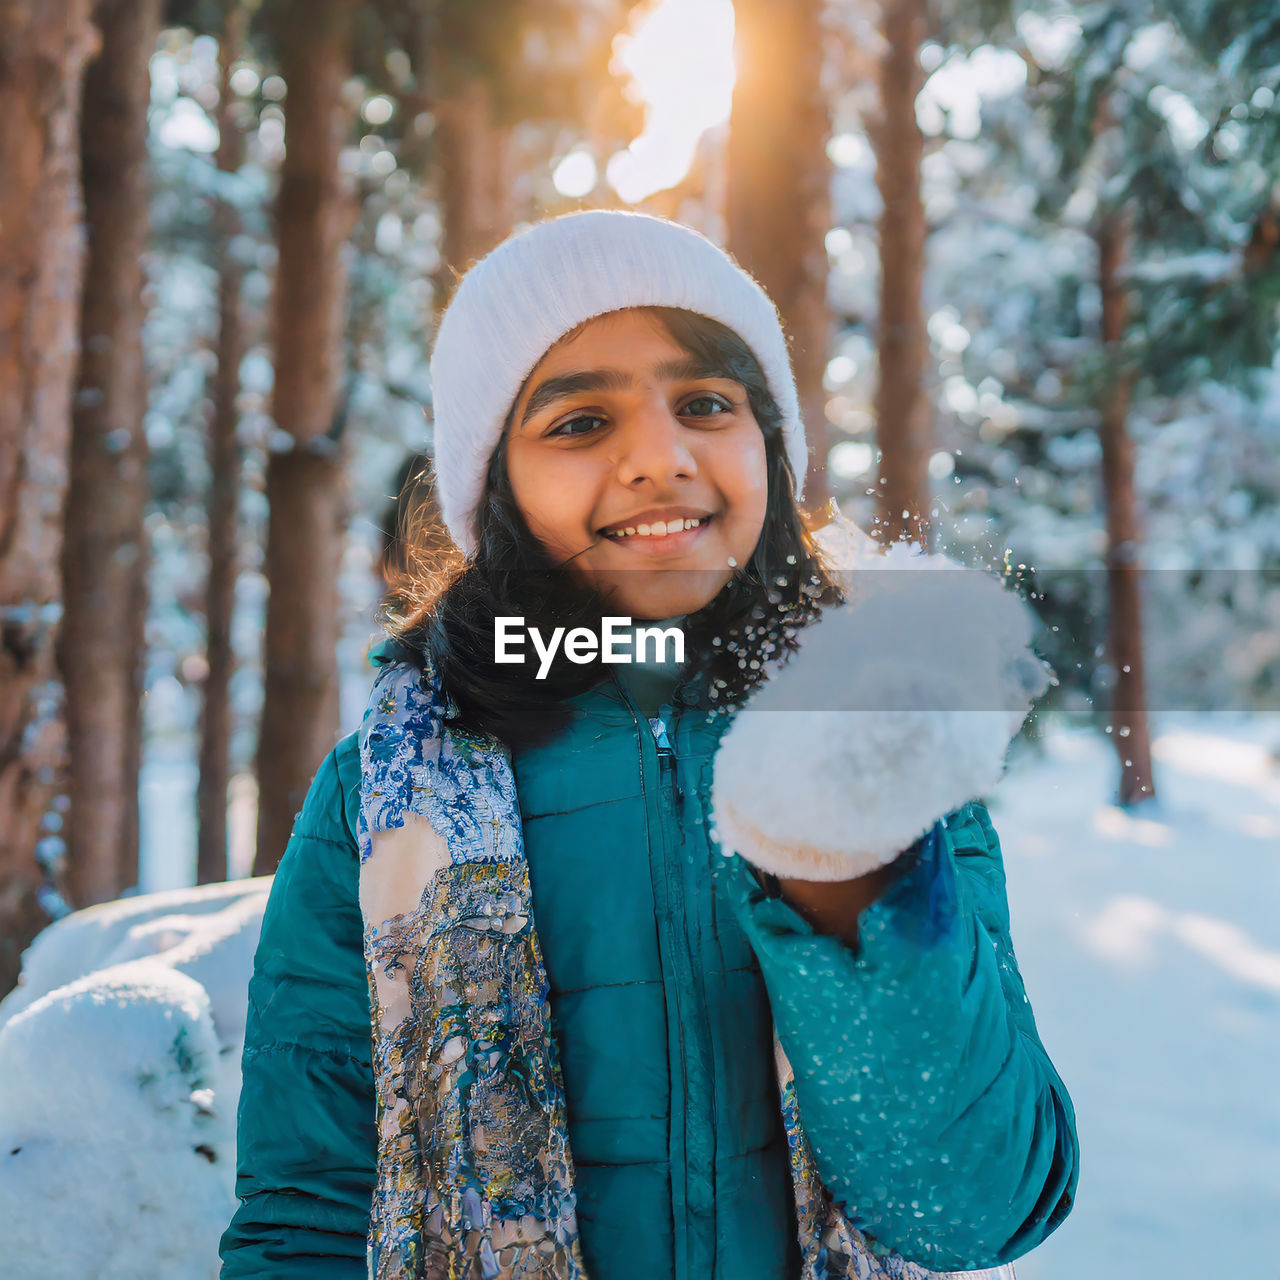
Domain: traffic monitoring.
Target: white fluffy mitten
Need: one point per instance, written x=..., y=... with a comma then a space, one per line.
x=898, y=707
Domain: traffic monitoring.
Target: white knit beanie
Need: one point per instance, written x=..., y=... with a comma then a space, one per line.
x=535, y=287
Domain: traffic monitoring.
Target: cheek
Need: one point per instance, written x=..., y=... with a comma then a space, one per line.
x=551, y=495
x=529, y=488
x=744, y=478
x=525, y=486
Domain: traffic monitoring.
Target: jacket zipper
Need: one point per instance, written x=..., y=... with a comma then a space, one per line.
x=678, y=721
x=659, y=747
x=655, y=767
x=667, y=754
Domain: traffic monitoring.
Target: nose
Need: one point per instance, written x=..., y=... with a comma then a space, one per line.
x=654, y=447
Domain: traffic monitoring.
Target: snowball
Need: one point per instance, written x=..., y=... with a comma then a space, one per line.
x=898, y=707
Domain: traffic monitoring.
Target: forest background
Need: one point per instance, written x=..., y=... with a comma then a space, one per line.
x=1026, y=255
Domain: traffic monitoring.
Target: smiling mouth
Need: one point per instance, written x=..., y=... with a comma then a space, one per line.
x=658, y=530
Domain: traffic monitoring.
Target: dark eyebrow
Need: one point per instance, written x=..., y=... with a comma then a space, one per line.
x=571, y=384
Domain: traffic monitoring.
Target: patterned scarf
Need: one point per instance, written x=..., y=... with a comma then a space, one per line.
x=475, y=1176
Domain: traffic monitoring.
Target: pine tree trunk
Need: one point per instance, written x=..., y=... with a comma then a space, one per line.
x=43, y=49
x=225, y=469
x=1130, y=730
x=475, y=158
x=305, y=480
x=778, y=200
x=104, y=563
x=904, y=424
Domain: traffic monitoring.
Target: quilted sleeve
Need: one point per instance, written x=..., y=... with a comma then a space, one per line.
x=936, y=1118
x=306, y=1148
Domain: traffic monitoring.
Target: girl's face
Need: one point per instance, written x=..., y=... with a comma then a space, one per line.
x=637, y=470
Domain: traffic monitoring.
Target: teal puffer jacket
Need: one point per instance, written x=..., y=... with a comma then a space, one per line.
x=937, y=1120
x=657, y=1001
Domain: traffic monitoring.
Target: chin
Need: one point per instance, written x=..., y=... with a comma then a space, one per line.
x=668, y=594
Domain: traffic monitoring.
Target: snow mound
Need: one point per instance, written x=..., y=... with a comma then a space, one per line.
x=119, y=1078
x=111, y=932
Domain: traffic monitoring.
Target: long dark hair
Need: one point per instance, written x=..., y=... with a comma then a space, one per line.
x=445, y=606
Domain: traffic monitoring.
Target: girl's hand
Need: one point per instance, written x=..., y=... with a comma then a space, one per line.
x=897, y=708
x=835, y=906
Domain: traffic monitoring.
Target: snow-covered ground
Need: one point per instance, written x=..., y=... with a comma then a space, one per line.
x=1150, y=944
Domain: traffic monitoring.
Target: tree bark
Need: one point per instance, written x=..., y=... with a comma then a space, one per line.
x=225, y=471
x=1130, y=729
x=101, y=646
x=43, y=49
x=778, y=199
x=305, y=480
x=904, y=425
x=475, y=156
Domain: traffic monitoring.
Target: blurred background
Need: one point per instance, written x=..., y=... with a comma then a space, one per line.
x=1027, y=256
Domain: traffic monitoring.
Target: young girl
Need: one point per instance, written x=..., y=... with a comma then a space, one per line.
x=586, y=968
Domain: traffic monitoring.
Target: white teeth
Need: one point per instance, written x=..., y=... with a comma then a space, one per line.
x=658, y=529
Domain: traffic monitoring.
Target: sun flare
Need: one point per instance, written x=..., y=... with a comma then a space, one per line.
x=679, y=60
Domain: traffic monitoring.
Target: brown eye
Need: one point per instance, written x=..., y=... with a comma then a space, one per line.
x=715, y=402
x=564, y=428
